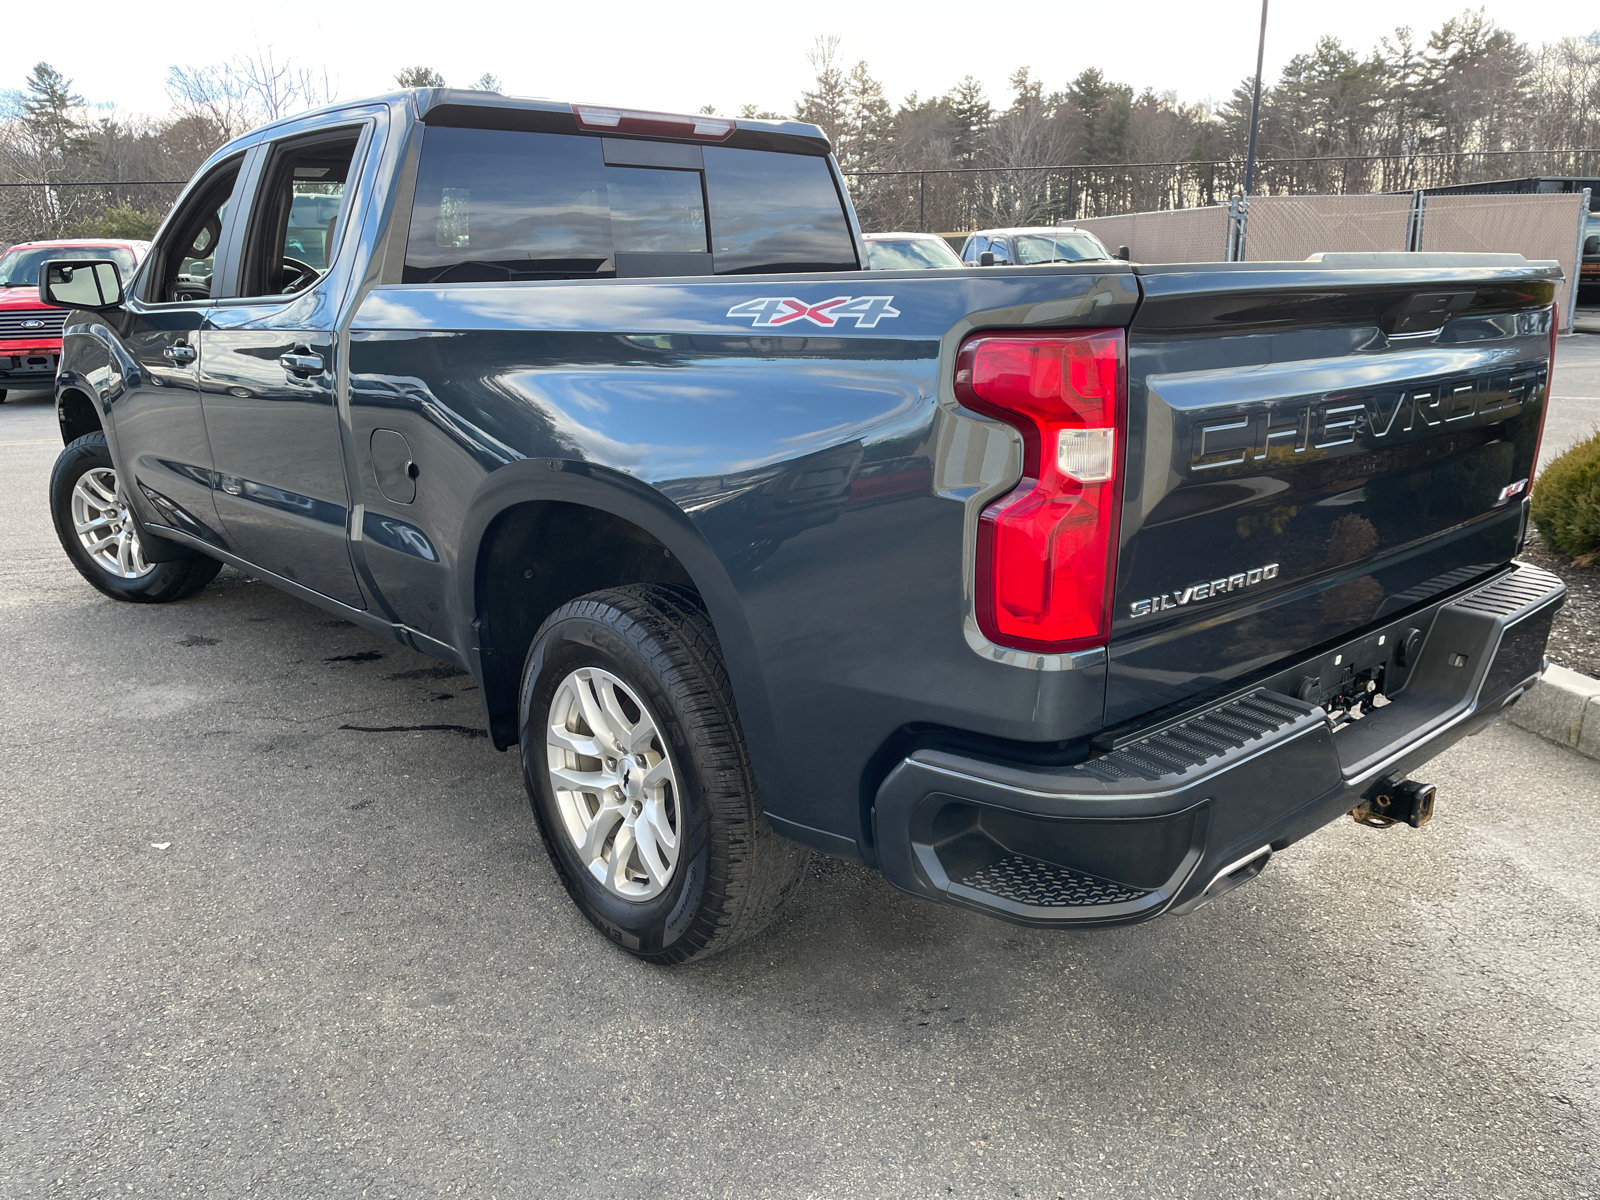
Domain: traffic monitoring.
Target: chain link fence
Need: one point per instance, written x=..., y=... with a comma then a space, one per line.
x=1291, y=227
x=956, y=200
x=1538, y=226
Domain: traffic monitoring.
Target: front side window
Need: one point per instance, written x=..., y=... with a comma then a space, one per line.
x=294, y=225
x=975, y=246
x=187, y=252
x=501, y=205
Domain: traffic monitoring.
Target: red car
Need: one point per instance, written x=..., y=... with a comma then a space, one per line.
x=30, y=333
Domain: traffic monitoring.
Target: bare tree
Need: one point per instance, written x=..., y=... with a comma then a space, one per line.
x=233, y=96
x=1028, y=134
x=212, y=98
x=280, y=89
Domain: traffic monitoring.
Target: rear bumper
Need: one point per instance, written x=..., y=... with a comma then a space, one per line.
x=1177, y=813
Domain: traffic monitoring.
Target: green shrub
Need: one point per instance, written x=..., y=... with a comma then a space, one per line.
x=120, y=221
x=1566, y=502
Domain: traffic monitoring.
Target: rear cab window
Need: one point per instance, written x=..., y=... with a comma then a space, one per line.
x=504, y=205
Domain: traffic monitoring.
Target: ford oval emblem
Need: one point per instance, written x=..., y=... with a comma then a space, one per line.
x=33, y=324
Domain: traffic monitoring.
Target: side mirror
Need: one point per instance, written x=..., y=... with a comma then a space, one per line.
x=94, y=285
x=1591, y=246
x=986, y=259
x=1123, y=254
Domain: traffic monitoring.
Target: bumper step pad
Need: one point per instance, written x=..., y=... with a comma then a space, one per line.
x=1045, y=885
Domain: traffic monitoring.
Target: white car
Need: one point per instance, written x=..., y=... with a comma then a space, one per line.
x=1029, y=246
x=909, y=252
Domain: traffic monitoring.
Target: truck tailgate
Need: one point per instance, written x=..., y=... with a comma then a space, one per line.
x=1312, y=448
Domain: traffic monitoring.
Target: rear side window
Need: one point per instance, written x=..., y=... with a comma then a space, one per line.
x=775, y=212
x=495, y=205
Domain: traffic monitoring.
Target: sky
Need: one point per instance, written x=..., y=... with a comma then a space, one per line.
x=678, y=57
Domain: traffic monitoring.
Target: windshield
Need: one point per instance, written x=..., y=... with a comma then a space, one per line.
x=20, y=268
x=1061, y=247
x=911, y=254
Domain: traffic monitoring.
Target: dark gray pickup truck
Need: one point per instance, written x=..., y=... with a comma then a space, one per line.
x=1069, y=594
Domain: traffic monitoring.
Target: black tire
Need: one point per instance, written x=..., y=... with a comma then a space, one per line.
x=733, y=871
x=164, y=581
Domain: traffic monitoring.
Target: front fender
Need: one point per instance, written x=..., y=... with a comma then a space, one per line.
x=94, y=365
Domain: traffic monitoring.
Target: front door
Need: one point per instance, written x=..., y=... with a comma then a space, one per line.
x=268, y=375
x=157, y=427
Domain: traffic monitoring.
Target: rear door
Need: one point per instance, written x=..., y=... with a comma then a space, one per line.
x=268, y=370
x=1311, y=449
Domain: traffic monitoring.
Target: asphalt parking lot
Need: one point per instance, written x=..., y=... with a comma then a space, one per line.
x=273, y=922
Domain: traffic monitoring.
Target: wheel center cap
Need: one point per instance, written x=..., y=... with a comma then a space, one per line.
x=632, y=772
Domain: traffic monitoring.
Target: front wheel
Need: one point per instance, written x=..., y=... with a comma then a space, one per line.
x=100, y=537
x=633, y=757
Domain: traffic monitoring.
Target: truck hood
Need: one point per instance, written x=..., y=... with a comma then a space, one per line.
x=14, y=298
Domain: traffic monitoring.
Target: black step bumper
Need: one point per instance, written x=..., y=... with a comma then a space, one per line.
x=1180, y=812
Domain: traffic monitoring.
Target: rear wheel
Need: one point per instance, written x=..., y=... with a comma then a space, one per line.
x=99, y=535
x=633, y=757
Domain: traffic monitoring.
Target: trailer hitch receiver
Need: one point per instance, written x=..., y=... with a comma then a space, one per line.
x=1399, y=801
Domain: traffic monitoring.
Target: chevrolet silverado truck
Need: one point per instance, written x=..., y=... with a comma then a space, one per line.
x=30, y=332
x=1068, y=594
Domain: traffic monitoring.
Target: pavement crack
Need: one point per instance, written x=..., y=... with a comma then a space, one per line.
x=463, y=730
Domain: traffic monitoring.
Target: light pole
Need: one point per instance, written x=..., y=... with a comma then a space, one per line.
x=1255, y=105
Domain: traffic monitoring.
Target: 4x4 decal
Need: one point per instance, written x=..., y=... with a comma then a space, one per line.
x=865, y=311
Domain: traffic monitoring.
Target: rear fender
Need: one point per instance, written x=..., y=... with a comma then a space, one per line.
x=573, y=482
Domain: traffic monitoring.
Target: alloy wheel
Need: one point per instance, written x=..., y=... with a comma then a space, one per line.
x=105, y=526
x=614, y=784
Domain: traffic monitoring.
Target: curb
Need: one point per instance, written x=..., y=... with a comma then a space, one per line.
x=1563, y=706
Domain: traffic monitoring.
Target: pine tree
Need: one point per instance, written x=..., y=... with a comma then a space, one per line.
x=47, y=114
x=827, y=104
x=412, y=77
x=973, y=116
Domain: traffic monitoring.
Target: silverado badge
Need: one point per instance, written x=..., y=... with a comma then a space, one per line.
x=1204, y=590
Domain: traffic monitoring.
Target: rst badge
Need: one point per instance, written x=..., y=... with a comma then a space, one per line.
x=1205, y=590
x=769, y=311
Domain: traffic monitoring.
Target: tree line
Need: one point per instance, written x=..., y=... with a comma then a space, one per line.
x=1410, y=110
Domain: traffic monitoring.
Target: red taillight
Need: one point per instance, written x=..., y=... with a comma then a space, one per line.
x=631, y=120
x=1046, y=548
x=1549, y=390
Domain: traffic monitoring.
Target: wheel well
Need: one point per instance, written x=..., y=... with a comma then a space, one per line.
x=77, y=415
x=535, y=558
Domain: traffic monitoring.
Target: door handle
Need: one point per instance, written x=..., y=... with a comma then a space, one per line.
x=178, y=353
x=302, y=364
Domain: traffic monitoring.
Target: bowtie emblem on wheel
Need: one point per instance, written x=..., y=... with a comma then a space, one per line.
x=768, y=311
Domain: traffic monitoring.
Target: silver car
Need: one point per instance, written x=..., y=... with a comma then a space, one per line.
x=909, y=252
x=1031, y=245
